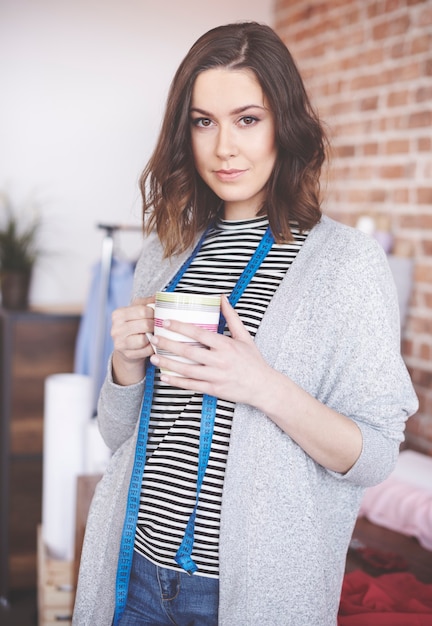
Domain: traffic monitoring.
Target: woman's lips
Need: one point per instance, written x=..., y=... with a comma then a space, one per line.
x=228, y=175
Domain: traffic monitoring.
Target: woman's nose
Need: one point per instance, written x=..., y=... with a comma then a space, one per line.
x=226, y=145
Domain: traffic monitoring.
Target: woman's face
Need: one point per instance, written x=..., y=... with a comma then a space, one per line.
x=233, y=138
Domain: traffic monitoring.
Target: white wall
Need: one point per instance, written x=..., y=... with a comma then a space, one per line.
x=82, y=90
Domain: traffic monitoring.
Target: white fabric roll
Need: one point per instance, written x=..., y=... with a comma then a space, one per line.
x=67, y=411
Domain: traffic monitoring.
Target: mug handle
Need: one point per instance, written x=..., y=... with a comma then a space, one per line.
x=150, y=335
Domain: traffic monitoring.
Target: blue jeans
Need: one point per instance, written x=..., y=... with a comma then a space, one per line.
x=158, y=596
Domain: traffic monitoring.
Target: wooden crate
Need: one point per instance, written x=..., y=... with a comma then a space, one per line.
x=56, y=592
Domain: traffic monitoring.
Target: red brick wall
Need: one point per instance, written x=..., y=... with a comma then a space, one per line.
x=367, y=65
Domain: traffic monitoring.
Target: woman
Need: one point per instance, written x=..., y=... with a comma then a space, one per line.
x=312, y=393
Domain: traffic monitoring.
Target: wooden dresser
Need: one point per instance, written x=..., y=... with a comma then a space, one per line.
x=33, y=345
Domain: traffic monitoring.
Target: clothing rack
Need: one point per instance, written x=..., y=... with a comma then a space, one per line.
x=106, y=265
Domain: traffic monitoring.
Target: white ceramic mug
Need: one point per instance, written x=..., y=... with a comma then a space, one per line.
x=203, y=310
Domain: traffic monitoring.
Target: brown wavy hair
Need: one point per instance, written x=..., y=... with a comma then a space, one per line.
x=176, y=201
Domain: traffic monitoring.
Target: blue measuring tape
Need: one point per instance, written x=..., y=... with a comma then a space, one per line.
x=183, y=556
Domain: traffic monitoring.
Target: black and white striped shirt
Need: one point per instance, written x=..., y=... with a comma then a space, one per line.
x=168, y=490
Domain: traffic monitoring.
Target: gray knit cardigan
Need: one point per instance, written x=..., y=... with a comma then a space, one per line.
x=333, y=327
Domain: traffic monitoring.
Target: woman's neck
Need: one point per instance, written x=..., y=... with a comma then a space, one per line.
x=238, y=213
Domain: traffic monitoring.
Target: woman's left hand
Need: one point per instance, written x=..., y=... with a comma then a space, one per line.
x=232, y=368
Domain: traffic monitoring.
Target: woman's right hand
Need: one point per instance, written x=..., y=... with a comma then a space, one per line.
x=131, y=345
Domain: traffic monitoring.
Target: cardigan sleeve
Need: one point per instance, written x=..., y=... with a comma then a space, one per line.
x=335, y=330
x=371, y=384
x=118, y=410
x=118, y=406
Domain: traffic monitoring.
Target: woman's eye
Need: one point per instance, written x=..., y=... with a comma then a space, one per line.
x=202, y=122
x=248, y=120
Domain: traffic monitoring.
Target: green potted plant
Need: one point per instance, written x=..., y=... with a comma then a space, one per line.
x=18, y=254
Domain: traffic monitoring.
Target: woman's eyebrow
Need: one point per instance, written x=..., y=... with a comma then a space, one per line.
x=237, y=111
